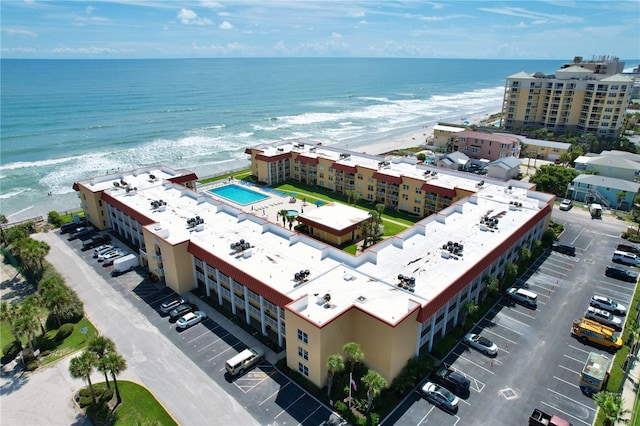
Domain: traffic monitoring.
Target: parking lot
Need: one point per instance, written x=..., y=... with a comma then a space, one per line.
x=538, y=363
x=269, y=396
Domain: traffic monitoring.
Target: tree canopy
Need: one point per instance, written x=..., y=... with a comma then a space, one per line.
x=553, y=179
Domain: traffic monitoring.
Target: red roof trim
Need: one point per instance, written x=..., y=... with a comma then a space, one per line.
x=387, y=178
x=343, y=168
x=183, y=178
x=432, y=307
x=307, y=160
x=132, y=213
x=434, y=189
x=239, y=275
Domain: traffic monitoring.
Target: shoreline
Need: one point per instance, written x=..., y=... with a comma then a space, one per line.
x=382, y=144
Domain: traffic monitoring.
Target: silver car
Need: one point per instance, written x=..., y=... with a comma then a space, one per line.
x=603, y=317
x=440, y=396
x=481, y=344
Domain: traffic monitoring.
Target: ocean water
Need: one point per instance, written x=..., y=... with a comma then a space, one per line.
x=66, y=120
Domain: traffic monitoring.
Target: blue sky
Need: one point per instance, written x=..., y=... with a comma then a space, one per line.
x=552, y=29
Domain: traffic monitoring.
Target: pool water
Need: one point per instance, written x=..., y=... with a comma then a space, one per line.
x=238, y=194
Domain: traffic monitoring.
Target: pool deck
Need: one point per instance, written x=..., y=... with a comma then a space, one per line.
x=268, y=208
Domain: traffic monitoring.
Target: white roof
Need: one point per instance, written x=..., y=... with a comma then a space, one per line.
x=445, y=128
x=277, y=253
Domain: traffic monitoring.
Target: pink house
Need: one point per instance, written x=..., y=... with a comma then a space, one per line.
x=488, y=146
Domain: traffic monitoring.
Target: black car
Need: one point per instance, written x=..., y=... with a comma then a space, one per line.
x=180, y=310
x=621, y=274
x=452, y=380
x=563, y=248
x=70, y=227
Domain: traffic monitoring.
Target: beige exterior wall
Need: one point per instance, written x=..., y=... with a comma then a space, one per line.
x=94, y=209
x=352, y=326
x=172, y=262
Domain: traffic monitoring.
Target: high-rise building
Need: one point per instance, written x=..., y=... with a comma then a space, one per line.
x=583, y=97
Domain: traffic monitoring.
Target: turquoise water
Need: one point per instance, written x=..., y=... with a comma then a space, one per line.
x=292, y=212
x=238, y=194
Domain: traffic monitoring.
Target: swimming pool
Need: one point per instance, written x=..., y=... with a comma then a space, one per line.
x=238, y=194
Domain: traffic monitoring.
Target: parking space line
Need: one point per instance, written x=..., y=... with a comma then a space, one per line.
x=287, y=407
x=476, y=364
x=566, y=383
x=229, y=348
x=572, y=400
x=199, y=336
x=520, y=313
x=157, y=300
x=501, y=336
x=219, y=337
x=251, y=377
x=625, y=287
x=565, y=413
x=621, y=295
x=568, y=369
x=579, y=349
x=425, y=416
x=471, y=378
x=314, y=411
x=275, y=393
x=509, y=318
x=580, y=361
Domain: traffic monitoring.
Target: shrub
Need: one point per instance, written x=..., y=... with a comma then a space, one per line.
x=65, y=331
x=31, y=365
x=54, y=218
x=85, y=400
x=106, y=395
x=12, y=349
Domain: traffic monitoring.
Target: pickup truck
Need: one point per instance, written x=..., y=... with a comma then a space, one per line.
x=540, y=418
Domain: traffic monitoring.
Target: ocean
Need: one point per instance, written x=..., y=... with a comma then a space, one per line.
x=67, y=120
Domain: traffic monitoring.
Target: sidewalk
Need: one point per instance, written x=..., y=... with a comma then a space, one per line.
x=630, y=389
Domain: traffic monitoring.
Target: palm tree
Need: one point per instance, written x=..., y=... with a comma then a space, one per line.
x=81, y=367
x=35, y=302
x=335, y=364
x=290, y=219
x=492, y=284
x=365, y=228
x=115, y=364
x=375, y=383
x=56, y=299
x=9, y=313
x=27, y=324
x=634, y=333
x=611, y=404
x=354, y=352
x=524, y=255
x=101, y=346
x=3, y=221
x=469, y=309
x=284, y=213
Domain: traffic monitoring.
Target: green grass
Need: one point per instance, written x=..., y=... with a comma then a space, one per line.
x=138, y=406
x=240, y=174
x=71, y=344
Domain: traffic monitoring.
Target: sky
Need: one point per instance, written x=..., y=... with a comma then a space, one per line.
x=511, y=29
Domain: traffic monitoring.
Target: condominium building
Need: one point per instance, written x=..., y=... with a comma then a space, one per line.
x=396, y=299
x=487, y=146
x=575, y=99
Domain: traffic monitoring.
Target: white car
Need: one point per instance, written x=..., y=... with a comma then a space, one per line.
x=608, y=305
x=481, y=344
x=111, y=255
x=603, y=317
x=566, y=204
x=192, y=318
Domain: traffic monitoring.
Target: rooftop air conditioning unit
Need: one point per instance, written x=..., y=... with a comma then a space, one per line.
x=246, y=254
x=199, y=227
x=445, y=253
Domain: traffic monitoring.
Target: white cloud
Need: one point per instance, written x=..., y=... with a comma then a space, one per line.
x=210, y=4
x=226, y=25
x=16, y=32
x=536, y=16
x=336, y=36
x=92, y=50
x=189, y=17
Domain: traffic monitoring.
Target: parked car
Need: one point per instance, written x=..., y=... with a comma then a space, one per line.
x=107, y=253
x=102, y=249
x=111, y=259
x=169, y=305
x=566, y=204
x=563, y=248
x=70, y=227
x=81, y=233
x=440, y=397
x=603, y=317
x=481, y=344
x=607, y=304
x=452, y=380
x=111, y=255
x=621, y=273
x=625, y=258
x=192, y=318
x=522, y=296
x=181, y=310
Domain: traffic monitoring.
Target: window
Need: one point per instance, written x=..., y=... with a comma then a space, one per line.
x=360, y=176
x=405, y=187
x=303, y=369
x=302, y=353
x=303, y=337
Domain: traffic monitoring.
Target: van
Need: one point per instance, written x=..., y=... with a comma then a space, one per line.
x=522, y=296
x=625, y=258
x=244, y=360
x=587, y=330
